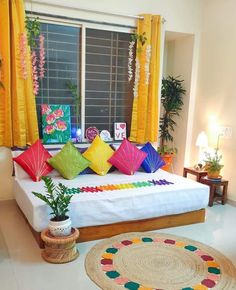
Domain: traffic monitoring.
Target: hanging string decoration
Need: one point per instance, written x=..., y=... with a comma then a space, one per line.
x=34, y=73
x=130, y=60
x=36, y=43
x=139, y=40
x=41, y=56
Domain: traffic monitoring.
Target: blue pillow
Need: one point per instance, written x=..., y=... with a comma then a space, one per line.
x=153, y=161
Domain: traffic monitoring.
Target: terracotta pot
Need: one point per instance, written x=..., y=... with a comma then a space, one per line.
x=213, y=174
x=168, y=158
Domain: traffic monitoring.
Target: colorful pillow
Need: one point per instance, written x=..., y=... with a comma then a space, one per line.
x=69, y=162
x=153, y=161
x=98, y=153
x=33, y=161
x=127, y=158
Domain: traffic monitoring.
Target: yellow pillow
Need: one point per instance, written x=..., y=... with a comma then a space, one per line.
x=98, y=153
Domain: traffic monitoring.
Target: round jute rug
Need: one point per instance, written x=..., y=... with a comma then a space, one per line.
x=153, y=261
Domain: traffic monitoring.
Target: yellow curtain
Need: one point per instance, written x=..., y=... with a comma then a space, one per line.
x=144, y=124
x=18, y=117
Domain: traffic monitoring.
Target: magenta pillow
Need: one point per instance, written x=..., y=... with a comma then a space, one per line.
x=127, y=158
x=33, y=161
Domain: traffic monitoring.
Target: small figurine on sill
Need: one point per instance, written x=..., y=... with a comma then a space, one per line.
x=198, y=166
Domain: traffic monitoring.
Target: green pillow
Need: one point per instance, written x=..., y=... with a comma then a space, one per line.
x=69, y=162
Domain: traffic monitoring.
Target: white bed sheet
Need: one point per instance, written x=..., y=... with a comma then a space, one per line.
x=89, y=209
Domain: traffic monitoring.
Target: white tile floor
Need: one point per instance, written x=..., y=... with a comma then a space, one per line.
x=22, y=268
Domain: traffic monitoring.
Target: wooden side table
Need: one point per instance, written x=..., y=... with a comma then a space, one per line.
x=213, y=185
x=198, y=173
x=60, y=250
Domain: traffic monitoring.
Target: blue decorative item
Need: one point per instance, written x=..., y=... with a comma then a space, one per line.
x=153, y=161
x=73, y=132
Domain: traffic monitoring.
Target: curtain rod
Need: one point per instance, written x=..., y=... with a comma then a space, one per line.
x=95, y=11
x=44, y=16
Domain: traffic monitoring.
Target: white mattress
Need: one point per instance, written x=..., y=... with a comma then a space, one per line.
x=98, y=208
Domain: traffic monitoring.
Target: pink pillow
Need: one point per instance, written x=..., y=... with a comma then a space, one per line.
x=33, y=161
x=127, y=158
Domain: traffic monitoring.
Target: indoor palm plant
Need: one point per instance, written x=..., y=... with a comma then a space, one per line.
x=212, y=164
x=172, y=92
x=58, y=200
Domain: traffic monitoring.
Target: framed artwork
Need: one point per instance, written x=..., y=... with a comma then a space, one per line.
x=119, y=131
x=56, y=124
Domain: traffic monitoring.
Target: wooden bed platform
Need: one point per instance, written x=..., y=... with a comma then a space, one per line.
x=106, y=231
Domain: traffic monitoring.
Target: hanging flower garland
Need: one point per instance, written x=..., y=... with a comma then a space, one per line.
x=140, y=39
x=34, y=73
x=137, y=78
x=147, y=64
x=38, y=63
x=41, y=56
x=23, y=55
x=130, y=60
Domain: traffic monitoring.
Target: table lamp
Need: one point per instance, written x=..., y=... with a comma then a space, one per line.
x=202, y=143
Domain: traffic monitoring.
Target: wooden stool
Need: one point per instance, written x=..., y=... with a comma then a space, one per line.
x=213, y=185
x=60, y=250
x=198, y=173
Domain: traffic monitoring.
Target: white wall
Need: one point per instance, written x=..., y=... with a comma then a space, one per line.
x=216, y=94
x=181, y=16
x=179, y=63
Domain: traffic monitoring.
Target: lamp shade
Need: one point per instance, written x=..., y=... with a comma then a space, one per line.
x=202, y=140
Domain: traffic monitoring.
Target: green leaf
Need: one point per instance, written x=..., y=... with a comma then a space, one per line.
x=56, y=197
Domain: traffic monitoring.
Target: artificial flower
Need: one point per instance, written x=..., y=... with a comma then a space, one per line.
x=49, y=129
x=58, y=113
x=60, y=125
x=45, y=109
x=50, y=118
x=130, y=60
x=41, y=56
x=34, y=73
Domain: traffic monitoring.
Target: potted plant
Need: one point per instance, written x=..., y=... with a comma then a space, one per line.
x=58, y=200
x=213, y=165
x=172, y=92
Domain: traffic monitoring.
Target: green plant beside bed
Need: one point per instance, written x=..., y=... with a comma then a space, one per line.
x=56, y=197
x=172, y=93
x=213, y=162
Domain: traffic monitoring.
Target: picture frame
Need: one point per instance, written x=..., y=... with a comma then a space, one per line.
x=120, y=131
x=56, y=123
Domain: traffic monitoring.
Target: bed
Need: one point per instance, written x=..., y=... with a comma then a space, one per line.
x=102, y=214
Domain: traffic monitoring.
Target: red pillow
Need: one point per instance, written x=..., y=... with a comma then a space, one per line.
x=127, y=158
x=33, y=161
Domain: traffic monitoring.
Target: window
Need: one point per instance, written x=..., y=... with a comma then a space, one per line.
x=108, y=96
x=62, y=47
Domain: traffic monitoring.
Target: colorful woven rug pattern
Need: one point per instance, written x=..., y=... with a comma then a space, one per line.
x=150, y=261
x=101, y=188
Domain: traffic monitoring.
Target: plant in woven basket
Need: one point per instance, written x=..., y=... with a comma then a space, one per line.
x=58, y=200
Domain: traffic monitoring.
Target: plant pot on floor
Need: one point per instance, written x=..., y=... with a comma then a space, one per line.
x=60, y=228
x=168, y=158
